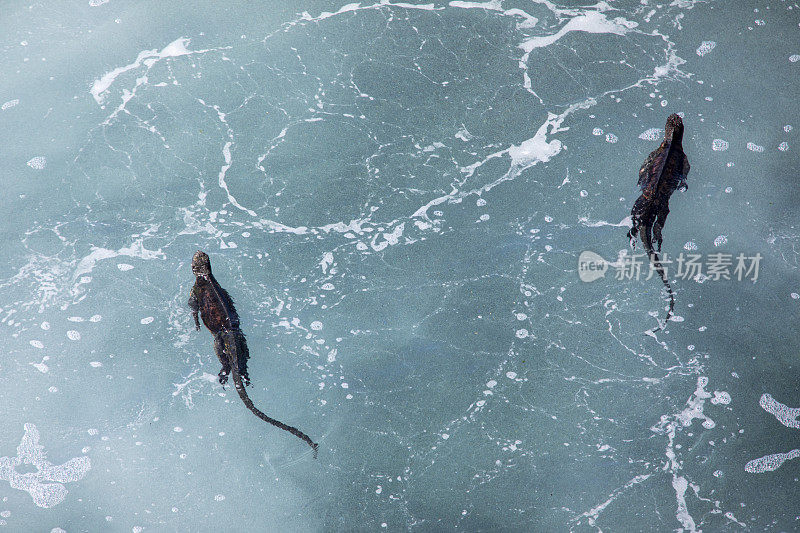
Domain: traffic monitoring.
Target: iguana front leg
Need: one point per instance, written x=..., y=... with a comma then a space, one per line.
x=194, y=304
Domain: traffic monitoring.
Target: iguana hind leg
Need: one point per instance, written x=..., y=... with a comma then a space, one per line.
x=219, y=349
x=242, y=355
x=636, y=219
x=661, y=220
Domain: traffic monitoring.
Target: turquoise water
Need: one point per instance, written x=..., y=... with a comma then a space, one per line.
x=396, y=196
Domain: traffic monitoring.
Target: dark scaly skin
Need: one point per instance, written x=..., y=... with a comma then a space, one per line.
x=664, y=171
x=216, y=308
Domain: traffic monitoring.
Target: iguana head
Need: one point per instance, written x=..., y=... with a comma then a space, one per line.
x=201, y=264
x=673, y=132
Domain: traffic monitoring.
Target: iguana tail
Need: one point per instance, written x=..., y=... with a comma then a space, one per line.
x=653, y=256
x=237, y=380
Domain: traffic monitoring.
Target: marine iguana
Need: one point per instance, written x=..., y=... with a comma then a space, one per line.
x=664, y=171
x=221, y=319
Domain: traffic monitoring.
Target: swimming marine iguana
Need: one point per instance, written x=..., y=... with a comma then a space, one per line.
x=221, y=319
x=664, y=171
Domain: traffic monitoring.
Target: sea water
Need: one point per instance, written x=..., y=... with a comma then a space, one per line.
x=396, y=195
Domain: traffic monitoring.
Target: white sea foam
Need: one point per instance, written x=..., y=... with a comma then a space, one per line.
x=148, y=57
x=653, y=134
x=624, y=223
x=9, y=104
x=463, y=134
x=389, y=239
x=588, y=22
x=753, y=147
x=42, y=367
x=719, y=145
x=721, y=397
x=37, y=163
x=327, y=261
x=785, y=415
x=771, y=462
x=537, y=148
x=705, y=47
x=496, y=5
x=669, y=426
x=136, y=249
x=46, y=484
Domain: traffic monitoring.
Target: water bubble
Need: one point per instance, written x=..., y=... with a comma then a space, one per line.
x=721, y=397
x=705, y=47
x=719, y=145
x=37, y=163
x=653, y=134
